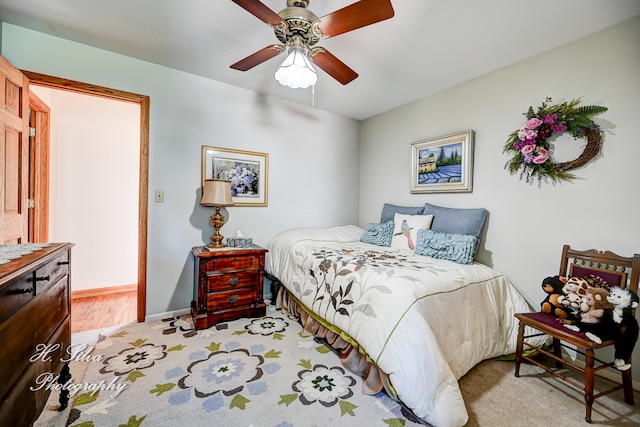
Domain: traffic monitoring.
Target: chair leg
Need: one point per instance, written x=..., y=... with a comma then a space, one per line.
x=627, y=381
x=519, y=346
x=557, y=350
x=589, y=382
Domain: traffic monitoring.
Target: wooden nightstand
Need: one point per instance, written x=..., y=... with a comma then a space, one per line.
x=227, y=285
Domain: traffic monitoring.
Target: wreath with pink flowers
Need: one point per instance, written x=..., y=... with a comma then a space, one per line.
x=530, y=146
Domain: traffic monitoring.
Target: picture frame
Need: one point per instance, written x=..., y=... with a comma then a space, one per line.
x=248, y=172
x=443, y=164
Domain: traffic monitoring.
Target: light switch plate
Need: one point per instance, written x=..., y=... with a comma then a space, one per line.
x=159, y=196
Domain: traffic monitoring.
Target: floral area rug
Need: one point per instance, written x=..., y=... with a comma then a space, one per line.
x=249, y=372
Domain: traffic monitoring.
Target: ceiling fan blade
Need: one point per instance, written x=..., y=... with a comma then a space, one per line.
x=333, y=66
x=258, y=58
x=354, y=16
x=259, y=10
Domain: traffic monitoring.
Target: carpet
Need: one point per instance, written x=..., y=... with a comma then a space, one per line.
x=249, y=372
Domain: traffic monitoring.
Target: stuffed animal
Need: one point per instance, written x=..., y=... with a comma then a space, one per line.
x=622, y=299
x=597, y=301
x=550, y=305
x=575, y=295
x=620, y=325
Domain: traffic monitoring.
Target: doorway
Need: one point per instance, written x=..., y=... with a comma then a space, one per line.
x=143, y=103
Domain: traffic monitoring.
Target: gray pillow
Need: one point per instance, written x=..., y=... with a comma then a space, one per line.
x=389, y=211
x=456, y=220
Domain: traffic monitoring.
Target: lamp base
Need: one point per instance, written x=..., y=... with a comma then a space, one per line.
x=217, y=221
x=215, y=244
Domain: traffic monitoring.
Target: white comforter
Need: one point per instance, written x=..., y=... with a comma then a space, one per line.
x=424, y=322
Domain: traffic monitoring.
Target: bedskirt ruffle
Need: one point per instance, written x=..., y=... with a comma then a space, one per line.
x=351, y=358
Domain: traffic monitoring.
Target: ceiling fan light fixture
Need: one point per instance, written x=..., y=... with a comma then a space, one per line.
x=296, y=70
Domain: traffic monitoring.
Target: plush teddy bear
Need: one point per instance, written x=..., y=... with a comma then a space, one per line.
x=597, y=301
x=553, y=287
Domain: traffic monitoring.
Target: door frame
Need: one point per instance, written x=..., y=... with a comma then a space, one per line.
x=143, y=184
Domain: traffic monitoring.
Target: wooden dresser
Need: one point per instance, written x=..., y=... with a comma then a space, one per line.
x=34, y=316
x=227, y=285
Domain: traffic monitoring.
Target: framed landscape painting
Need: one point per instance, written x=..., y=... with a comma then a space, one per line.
x=247, y=171
x=443, y=165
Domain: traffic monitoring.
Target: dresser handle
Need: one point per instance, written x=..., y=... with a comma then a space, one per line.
x=234, y=281
x=63, y=263
x=43, y=279
x=25, y=291
x=233, y=299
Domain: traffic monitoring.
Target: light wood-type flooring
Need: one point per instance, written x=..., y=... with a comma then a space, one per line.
x=102, y=311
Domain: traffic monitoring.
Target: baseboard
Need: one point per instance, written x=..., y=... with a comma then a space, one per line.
x=96, y=292
x=610, y=374
x=616, y=377
x=160, y=316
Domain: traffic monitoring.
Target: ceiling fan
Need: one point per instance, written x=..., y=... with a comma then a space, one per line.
x=299, y=29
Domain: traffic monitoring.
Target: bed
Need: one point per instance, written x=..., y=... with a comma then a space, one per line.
x=409, y=323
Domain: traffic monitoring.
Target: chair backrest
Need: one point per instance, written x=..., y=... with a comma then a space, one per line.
x=614, y=269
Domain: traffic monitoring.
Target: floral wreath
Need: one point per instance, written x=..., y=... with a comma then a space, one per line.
x=529, y=145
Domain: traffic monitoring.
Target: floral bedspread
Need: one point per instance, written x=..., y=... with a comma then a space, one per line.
x=424, y=322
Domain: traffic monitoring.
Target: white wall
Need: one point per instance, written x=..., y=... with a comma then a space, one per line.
x=312, y=153
x=94, y=170
x=527, y=224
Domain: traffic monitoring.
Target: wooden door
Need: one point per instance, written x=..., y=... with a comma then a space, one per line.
x=14, y=154
x=38, y=170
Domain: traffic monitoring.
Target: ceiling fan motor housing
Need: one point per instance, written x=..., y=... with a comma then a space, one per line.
x=299, y=23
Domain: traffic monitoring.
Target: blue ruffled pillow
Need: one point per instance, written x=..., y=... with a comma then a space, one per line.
x=459, y=248
x=378, y=234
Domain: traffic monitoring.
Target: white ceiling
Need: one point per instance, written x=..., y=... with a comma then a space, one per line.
x=428, y=46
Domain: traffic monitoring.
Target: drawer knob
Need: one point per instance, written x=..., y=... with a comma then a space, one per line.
x=233, y=299
x=43, y=279
x=234, y=281
x=24, y=291
x=63, y=263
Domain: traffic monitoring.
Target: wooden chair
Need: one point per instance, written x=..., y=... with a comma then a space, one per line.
x=615, y=270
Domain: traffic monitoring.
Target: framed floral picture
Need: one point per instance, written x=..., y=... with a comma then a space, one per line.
x=247, y=171
x=443, y=165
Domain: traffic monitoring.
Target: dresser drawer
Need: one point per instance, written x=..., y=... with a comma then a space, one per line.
x=230, y=299
x=233, y=262
x=15, y=296
x=51, y=272
x=240, y=279
x=32, y=325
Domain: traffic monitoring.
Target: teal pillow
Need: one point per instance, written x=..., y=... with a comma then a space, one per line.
x=459, y=248
x=378, y=234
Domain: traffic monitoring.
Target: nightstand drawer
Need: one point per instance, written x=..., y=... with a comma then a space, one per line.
x=240, y=279
x=233, y=262
x=232, y=298
x=228, y=285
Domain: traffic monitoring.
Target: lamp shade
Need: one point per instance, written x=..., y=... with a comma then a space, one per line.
x=216, y=192
x=296, y=70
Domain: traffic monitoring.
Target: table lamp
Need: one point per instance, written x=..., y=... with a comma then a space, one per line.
x=216, y=192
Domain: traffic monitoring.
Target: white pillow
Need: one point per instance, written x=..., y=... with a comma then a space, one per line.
x=414, y=223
